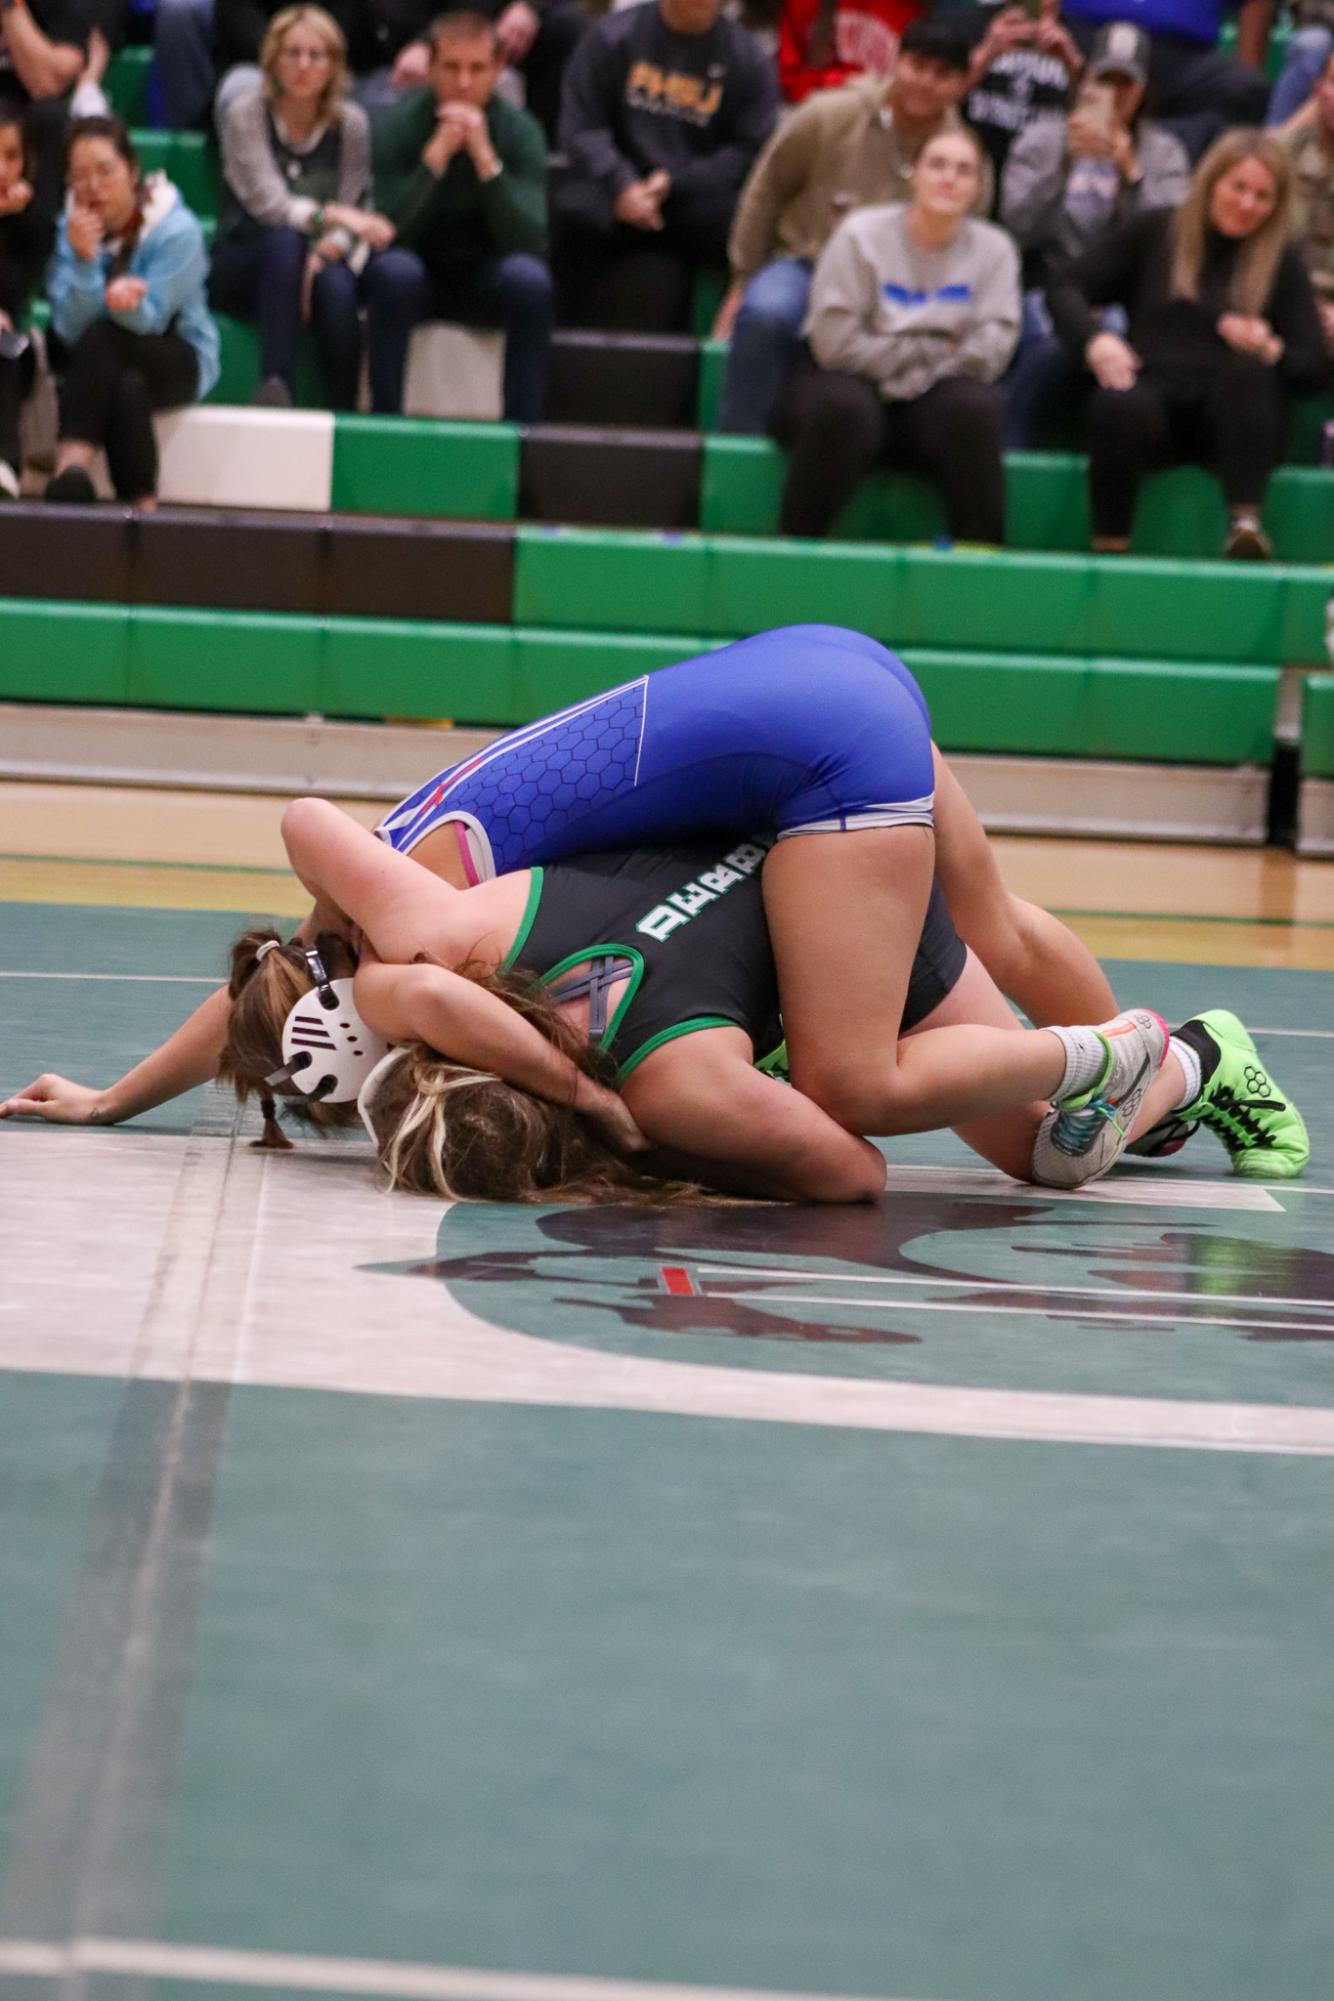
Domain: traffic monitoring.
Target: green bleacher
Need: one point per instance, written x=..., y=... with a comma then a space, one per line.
x=1318, y=726
x=1042, y=650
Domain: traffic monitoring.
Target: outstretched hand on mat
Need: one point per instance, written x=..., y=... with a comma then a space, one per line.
x=57, y=1100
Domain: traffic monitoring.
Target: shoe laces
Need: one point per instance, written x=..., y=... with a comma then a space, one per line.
x=1224, y=1112
x=1076, y=1130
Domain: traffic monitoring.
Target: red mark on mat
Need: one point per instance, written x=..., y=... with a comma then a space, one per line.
x=677, y=1281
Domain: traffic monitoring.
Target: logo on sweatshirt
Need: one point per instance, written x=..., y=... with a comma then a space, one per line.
x=946, y=295
x=673, y=93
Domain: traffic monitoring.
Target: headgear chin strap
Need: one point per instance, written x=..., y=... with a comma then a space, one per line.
x=328, y=1050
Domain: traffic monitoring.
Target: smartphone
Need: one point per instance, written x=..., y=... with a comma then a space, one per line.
x=1096, y=104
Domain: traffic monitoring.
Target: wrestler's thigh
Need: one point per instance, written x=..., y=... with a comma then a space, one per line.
x=845, y=913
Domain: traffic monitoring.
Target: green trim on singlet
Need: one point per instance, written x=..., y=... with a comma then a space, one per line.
x=669, y=1035
x=775, y=1064
x=582, y=958
x=536, y=877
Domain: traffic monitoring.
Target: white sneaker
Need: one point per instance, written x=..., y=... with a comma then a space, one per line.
x=9, y=481
x=1084, y=1135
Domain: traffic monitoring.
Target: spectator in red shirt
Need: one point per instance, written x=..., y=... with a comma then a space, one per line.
x=822, y=43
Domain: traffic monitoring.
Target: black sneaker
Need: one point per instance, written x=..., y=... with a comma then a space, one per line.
x=73, y=487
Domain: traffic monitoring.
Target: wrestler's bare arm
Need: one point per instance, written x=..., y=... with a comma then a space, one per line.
x=1031, y=955
x=727, y=1124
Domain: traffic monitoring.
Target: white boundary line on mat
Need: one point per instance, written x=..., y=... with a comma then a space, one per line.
x=313, y=1973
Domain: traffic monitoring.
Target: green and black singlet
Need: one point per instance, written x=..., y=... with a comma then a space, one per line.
x=684, y=925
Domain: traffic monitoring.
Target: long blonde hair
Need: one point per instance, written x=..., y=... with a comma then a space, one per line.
x=335, y=42
x=448, y=1132
x=1258, y=256
x=439, y=1129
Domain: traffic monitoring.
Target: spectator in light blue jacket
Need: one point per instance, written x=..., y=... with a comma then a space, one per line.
x=127, y=306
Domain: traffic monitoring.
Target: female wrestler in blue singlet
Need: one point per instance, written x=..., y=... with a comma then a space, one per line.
x=810, y=729
x=816, y=734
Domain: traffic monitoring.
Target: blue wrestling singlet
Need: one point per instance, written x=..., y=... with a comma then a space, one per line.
x=809, y=729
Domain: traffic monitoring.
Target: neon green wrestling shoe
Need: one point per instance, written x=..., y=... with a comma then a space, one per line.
x=1261, y=1128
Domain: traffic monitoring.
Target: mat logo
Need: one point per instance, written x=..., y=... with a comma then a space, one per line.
x=932, y=1287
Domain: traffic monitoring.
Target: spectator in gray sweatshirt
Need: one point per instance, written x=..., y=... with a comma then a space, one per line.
x=914, y=315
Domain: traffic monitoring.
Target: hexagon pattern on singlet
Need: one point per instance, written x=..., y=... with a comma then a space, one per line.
x=529, y=794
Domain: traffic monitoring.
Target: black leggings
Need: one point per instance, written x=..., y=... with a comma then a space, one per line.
x=15, y=382
x=634, y=280
x=837, y=429
x=1230, y=419
x=113, y=381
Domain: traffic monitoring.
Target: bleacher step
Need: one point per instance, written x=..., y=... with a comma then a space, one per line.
x=383, y=761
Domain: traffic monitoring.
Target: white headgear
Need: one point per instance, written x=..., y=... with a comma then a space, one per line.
x=328, y=1050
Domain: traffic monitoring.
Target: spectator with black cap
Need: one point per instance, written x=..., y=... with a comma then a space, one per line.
x=1066, y=183
x=1194, y=86
x=841, y=150
x=665, y=107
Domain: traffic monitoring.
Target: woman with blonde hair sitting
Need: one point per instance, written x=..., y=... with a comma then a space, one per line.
x=297, y=227
x=1222, y=327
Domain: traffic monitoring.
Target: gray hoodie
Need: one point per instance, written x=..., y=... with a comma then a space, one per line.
x=1038, y=202
x=906, y=318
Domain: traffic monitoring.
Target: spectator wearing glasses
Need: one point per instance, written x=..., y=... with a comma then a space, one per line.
x=297, y=226
x=127, y=306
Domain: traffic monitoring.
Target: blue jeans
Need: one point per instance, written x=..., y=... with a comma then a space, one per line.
x=766, y=331
x=513, y=292
x=1039, y=381
x=183, y=47
x=1045, y=383
x=1307, y=53
x=259, y=278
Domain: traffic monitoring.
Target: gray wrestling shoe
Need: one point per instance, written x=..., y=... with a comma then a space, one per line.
x=1084, y=1135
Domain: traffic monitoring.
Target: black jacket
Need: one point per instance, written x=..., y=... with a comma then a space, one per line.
x=1132, y=267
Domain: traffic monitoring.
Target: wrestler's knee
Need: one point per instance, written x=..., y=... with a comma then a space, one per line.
x=859, y=1102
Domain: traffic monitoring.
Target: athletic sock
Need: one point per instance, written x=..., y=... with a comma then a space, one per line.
x=1087, y=1060
x=1191, y=1070
x=1197, y=1037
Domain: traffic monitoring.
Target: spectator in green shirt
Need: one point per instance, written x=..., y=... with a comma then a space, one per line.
x=462, y=176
